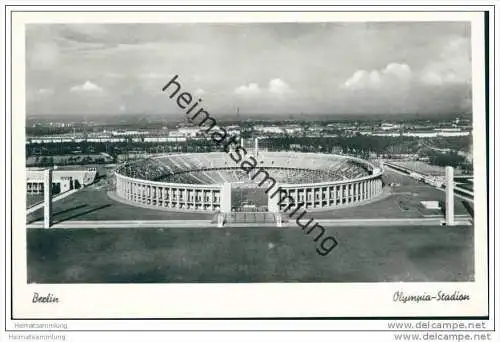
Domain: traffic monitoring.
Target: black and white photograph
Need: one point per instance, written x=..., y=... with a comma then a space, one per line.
x=286, y=166
x=253, y=152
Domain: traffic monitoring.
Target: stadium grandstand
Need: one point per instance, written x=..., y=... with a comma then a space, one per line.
x=216, y=168
x=195, y=181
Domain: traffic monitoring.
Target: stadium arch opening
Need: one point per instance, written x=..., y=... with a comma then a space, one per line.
x=212, y=182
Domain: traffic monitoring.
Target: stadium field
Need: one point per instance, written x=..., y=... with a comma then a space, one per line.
x=364, y=254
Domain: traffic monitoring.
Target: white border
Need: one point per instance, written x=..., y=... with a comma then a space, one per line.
x=283, y=298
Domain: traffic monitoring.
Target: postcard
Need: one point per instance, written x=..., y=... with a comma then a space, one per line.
x=179, y=165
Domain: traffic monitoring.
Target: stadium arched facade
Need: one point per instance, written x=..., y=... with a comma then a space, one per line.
x=203, y=181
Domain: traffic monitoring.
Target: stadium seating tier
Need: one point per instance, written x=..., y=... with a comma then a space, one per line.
x=217, y=168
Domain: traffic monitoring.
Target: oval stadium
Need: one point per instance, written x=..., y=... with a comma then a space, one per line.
x=212, y=182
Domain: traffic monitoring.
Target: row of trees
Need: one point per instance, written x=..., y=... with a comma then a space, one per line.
x=360, y=145
x=357, y=144
x=455, y=143
x=51, y=161
x=116, y=148
x=449, y=159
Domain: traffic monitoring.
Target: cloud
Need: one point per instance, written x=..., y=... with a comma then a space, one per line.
x=45, y=91
x=63, y=56
x=394, y=74
x=152, y=75
x=86, y=87
x=278, y=86
x=452, y=67
x=362, y=79
x=401, y=71
x=248, y=90
x=43, y=55
x=114, y=75
x=199, y=91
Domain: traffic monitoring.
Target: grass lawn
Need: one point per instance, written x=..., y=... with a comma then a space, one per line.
x=33, y=199
x=364, y=254
x=94, y=204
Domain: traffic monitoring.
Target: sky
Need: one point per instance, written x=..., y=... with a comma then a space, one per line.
x=271, y=68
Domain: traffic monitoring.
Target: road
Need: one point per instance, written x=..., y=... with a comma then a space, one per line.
x=431, y=221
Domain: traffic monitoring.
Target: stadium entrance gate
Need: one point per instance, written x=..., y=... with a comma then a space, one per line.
x=249, y=204
x=248, y=197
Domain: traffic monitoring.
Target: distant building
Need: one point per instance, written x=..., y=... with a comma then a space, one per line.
x=388, y=126
x=337, y=150
x=293, y=129
x=437, y=133
x=269, y=129
x=175, y=134
x=315, y=128
x=170, y=138
x=188, y=131
x=233, y=130
x=129, y=133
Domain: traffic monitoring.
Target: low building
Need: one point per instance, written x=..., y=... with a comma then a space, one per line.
x=62, y=180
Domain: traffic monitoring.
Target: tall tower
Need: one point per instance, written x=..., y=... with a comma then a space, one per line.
x=225, y=205
x=273, y=199
x=256, y=149
x=450, y=200
x=47, y=198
